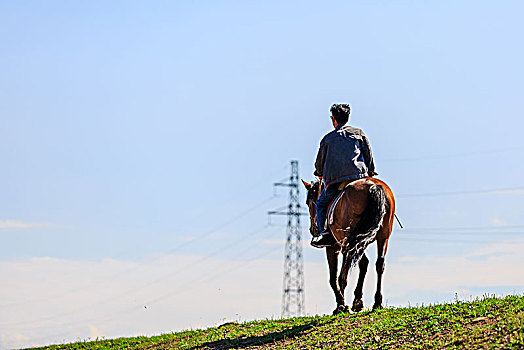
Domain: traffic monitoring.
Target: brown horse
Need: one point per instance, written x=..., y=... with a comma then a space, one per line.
x=364, y=214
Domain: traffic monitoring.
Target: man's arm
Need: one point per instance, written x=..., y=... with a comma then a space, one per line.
x=321, y=157
x=368, y=155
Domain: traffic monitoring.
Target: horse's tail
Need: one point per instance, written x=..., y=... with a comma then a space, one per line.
x=367, y=227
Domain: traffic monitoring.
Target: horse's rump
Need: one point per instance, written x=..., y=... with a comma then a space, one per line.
x=358, y=215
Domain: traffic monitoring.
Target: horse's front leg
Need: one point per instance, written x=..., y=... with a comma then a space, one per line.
x=343, y=281
x=358, y=305
x=332, y=258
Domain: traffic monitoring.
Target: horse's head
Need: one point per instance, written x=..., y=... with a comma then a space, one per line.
x=313, y=191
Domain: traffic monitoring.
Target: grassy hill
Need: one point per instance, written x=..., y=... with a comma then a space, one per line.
x=490, y=323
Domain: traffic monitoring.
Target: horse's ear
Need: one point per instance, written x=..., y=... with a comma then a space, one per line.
x=308, y=186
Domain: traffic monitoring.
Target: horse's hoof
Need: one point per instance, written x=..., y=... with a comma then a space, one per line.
x=358, y=305
x=377, y=306
x=341, y=309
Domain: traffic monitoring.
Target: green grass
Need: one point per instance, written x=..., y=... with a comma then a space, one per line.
x=489, y=323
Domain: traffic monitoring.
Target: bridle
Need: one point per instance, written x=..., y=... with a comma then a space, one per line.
x=311, y=200
x=314, y=193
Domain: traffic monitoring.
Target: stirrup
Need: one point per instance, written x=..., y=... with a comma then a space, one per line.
x=326, y=240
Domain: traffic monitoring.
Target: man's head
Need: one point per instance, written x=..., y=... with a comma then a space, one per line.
x=340, y=113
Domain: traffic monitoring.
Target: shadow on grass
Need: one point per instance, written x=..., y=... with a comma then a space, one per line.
x=242, y=343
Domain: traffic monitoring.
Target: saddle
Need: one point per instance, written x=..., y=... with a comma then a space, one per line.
x=331, y=209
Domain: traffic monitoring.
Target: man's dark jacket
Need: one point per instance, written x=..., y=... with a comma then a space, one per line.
x=344, y=155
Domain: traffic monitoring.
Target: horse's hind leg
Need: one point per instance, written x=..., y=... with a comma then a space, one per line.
x=363, y=268
x=343, y=276
x=380, y=265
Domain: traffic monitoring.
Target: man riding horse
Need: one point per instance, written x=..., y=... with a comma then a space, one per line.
x=363, y=213
x=344, y=156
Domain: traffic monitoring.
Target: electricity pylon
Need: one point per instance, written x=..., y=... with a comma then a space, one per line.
x=293, y=294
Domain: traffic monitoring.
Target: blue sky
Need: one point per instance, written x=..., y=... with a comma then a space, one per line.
x=130, y=129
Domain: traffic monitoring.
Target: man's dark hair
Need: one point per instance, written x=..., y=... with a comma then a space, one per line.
x=341, y=112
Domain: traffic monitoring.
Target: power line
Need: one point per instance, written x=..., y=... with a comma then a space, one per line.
x=462, y=233
x=452, y=155
x=149, y=262
x=152, y=260
x=214, y=275
x=177, y=248
x=463, y=228
x=454, y=193
x=440, y=240
x=134, y=290
x=200, y=278
x=235, y=218
x=188, y=287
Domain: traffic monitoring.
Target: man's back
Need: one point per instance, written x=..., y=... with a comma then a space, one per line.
x=344, y=155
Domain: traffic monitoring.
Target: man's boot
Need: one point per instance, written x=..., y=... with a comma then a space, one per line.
x=326, y=239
